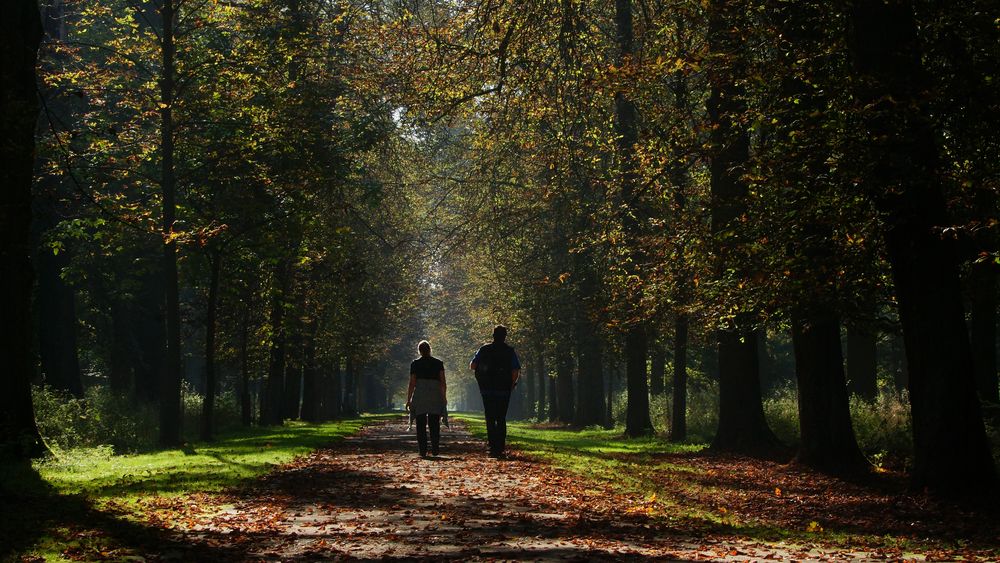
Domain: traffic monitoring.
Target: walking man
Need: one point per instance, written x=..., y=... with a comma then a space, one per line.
x=497, y=369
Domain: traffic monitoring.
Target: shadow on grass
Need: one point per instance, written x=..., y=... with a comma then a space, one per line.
x=70, y=525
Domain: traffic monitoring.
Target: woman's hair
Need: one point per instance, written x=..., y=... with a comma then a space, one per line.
x=424, y=348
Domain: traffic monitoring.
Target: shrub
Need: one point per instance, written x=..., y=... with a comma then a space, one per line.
x=782, y=413
x=101, y=417
x=883, y=427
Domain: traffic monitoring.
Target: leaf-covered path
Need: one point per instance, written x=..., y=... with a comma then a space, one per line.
x=372, y=497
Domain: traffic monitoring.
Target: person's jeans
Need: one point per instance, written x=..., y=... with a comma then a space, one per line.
x=495, y=404
x=435, y=424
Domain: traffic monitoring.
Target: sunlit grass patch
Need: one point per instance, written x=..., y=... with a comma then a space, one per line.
x=79, y=499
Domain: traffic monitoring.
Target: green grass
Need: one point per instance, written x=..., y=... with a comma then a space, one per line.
x=54, y=497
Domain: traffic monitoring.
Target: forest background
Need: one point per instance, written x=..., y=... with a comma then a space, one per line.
x=249, y=211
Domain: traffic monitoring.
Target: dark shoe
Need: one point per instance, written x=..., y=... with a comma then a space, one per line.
x=434, y=452
x=423, y=455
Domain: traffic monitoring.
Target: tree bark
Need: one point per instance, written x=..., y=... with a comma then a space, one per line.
x=20, y=36
x=246, y=410
x=678, y=421
x=657, y=370
x=984, y=329
x=742, y=426
x=170, y=387
x=637, y=421
x=951, y=451
x=543, y=381
x=564, y=386
x=827, y=437
x=208, y=403
x=862, y=361
x=310, y=383
x=528, y=383
x=350, y=389
x=590, y=358
x=273, y=403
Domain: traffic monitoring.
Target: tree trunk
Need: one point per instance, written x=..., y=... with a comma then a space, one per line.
x=984, y=329
x=637, y=421
x=335, y=393
x=273, y=403
x=678, y=422
x=20, y=35
x=528, y=383
x=862, y=361
x=149, y=321
x=827, y=437
x=121, y=374
x=590, y=382
x=543, y=381
x=564, y=386
x=246, y=414
x=350, y=389
x=208, y=403
x=657, y=370
x=170, y=389
x=951, y=452
x=310, y=384
x=57, y=324
x=742, y=426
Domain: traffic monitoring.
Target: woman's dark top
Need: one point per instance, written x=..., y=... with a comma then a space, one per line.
x=427, y=398
x=427, y=367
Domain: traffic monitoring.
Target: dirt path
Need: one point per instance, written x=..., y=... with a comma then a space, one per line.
x=372, y=497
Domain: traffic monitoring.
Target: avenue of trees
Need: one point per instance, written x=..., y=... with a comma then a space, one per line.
x=280, y=197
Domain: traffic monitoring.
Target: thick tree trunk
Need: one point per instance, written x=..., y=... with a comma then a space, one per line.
x=984, y=329
x=678, y=421
x=564, y=386
x=827, y=437
x=20, y=35
x=310, y=384
x=637, y=421
x=273, y=403
x=951, y=452
x=742, y=426
x=862, y=361
x=335, y=394
x=208, y=403
x=170, y=387
x=590, y=382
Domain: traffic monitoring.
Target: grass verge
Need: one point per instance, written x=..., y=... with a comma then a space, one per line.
x=88, y=500
x=689, y=490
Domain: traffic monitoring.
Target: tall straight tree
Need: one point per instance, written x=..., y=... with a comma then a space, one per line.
x=742, y=426
x=20, y=35
x=170, y=385
x=951, y=451
x=637, y=421
x=827, y=438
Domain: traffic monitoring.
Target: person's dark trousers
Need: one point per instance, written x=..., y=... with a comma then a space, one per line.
x=435, y=423
x=495, y=406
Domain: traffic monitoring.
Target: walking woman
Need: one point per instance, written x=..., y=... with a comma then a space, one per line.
x=427, y=397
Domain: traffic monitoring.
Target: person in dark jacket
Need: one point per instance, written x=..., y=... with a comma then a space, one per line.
x=497, y=369
x=427, y=397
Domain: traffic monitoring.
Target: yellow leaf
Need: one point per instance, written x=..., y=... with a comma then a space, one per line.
x=777, y=491
x=814, y=527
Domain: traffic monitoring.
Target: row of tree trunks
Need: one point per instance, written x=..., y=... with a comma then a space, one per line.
x=951, y=451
